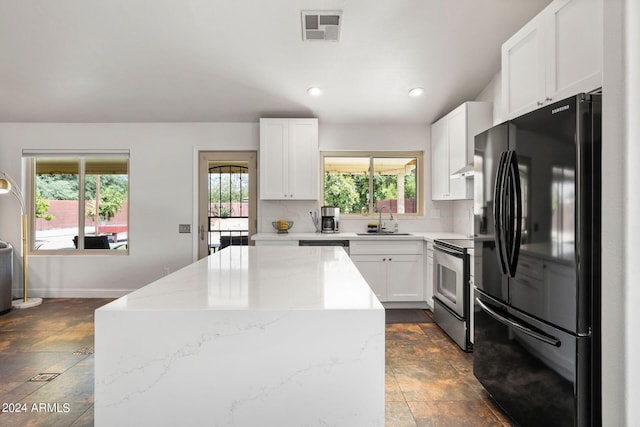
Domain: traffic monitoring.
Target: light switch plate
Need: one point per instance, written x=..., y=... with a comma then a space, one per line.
x=184, y=228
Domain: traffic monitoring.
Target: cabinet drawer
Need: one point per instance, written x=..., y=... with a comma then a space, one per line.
x=364, y=247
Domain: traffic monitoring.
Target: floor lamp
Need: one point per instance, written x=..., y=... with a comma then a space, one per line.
x=8, y=185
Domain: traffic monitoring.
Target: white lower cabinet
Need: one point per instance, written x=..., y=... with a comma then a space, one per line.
x=395, y=272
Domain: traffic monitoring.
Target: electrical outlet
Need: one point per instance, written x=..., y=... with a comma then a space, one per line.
x=184, y=228
x=435, y=213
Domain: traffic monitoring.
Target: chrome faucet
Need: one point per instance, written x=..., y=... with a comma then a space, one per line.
x=380, y=216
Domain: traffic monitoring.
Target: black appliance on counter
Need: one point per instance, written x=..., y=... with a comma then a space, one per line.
x=451, y=289
x=537, y=309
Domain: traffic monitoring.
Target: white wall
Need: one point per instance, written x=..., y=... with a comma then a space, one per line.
x=493, y=93
x=161, y=197
x=621, y=210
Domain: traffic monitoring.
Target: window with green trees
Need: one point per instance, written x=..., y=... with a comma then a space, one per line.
x=361, y=183
x=80, y=203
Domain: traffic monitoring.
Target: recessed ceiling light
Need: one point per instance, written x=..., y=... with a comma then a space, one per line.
x=416, y=91
x=314, y=91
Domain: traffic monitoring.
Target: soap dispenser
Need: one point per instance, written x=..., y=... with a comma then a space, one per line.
x=395, y=226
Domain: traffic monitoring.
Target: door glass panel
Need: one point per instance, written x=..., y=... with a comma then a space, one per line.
x=228, y=204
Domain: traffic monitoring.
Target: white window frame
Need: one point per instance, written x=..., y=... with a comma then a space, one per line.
x=82, y=155
x=419, y=155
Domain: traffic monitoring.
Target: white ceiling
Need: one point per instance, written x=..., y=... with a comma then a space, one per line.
x=239, y=60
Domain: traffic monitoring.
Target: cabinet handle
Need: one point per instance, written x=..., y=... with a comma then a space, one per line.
x=384, y=259
x=549, y=98
x=389, y=259
x=540, y=104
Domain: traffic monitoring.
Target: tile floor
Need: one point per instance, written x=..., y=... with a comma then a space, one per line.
x=429, y=380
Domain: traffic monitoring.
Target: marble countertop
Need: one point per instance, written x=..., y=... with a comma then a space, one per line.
x=258, y=278
x=420, y=235
x=235, y=338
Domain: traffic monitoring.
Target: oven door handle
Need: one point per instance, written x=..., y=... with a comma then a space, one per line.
x=447, y=251
x=548, y=339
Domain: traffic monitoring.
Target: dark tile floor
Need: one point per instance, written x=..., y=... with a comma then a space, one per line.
x=429, y=380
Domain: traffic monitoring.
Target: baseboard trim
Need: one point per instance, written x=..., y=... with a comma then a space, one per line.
x=75, y=293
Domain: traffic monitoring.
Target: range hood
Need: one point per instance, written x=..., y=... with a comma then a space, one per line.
x=465, y=172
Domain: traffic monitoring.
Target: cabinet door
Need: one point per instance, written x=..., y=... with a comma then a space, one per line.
x=303, y=159
x=439, y=160
x=457, y=130
x=374, y=271
x=574, y=48
x=523, y=69
x=405, y=275
x=274, y=141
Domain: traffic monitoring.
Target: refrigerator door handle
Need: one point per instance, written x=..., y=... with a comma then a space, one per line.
x=540, y=336
x=515, y=212
x=498, y=212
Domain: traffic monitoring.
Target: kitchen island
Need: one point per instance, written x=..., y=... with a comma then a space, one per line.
x=248, y=336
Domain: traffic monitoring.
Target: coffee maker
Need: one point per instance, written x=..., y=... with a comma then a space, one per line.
x=330, y=219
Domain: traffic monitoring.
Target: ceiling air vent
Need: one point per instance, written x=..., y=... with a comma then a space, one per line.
x=321, y=25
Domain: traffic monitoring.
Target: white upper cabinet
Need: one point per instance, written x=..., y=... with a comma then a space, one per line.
x=452, y=142
x=556, y=55
x=289, y=159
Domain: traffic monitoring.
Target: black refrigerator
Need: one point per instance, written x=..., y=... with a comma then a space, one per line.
x=537, y=301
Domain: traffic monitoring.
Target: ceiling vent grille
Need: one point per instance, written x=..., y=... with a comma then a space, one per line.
x=321, y=25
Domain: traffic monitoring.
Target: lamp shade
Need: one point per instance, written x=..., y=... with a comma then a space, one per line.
x=5, y=186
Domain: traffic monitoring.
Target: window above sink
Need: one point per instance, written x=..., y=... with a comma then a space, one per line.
x=361, y=182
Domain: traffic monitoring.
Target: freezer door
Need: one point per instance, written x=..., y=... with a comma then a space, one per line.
x=530, y=369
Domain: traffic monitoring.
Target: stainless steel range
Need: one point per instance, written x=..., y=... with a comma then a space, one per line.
x=452, y=290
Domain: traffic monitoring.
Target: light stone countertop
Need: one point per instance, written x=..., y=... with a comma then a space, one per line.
x=234, y=338
x=421, y=235
x=293, y=278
